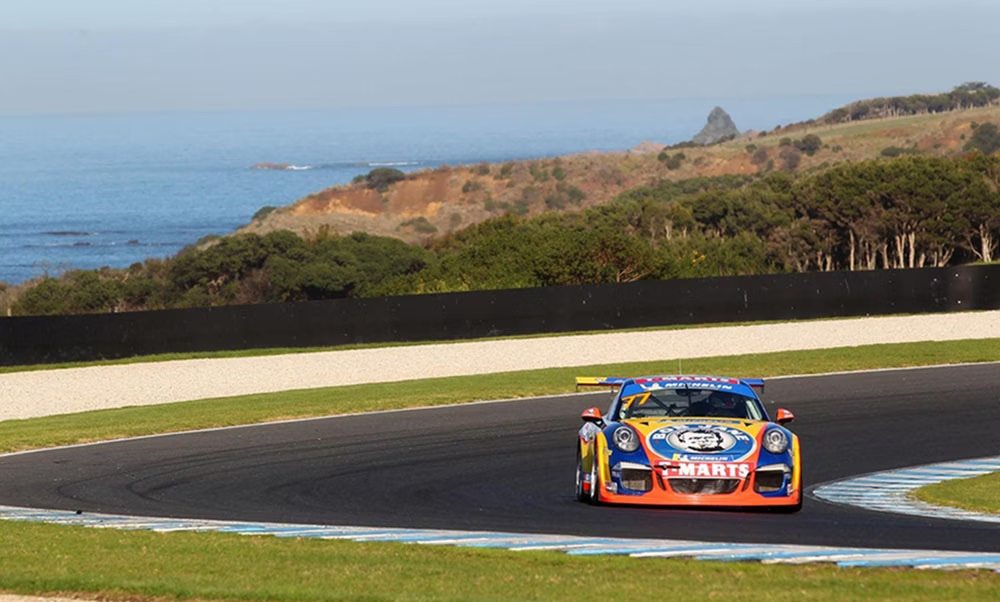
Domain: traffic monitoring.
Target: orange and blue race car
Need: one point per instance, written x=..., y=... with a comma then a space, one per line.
x=687, y=441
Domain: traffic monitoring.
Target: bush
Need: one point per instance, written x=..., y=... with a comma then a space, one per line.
x=420, y=225
x=538, y=173
x=809, y=144
x=895, y=151
x=672, y=161
x=790, y=158
x=985, y=139
x=381, y=178
x=262, y=213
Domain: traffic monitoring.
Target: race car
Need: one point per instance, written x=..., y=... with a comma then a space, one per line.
x=687, y=441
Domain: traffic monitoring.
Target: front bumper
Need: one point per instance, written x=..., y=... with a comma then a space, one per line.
x=731, y=485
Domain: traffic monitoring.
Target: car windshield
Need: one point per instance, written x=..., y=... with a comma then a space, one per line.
x=688, y=402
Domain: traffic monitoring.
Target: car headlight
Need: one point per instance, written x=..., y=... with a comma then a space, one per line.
x=625, y=439
x=776, y=441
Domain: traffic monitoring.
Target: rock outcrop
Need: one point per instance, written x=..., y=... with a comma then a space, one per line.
x=719, y=127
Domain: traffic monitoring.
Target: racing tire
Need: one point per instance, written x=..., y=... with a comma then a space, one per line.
x=581, y=495
x=594, y=496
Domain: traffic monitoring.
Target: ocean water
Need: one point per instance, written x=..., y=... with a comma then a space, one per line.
x=86, y=191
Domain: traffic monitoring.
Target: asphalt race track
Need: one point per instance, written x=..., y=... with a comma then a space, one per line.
x=509, y=467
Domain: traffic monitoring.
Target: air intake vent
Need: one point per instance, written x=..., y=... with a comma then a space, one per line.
x=637, y=480
x=704, y=486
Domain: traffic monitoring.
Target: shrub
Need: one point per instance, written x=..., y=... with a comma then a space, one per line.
x=809, y=144
x=420, y=224
x=262, y=213
x=539, y=174
x=671, y=161
x=381, y=178
x=790, y=158
x=895, y=151
x=985, y=139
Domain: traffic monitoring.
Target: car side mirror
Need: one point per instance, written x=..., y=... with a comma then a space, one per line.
x=592, y=415
x=784, y=416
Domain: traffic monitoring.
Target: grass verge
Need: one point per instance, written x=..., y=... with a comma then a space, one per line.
x=114, y=565
x=980, y=494
x=117, y=565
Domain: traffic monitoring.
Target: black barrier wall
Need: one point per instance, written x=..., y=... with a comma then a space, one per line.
x=30, y=340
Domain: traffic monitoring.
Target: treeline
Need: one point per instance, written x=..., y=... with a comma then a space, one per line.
x=243, y=269
x=965, y=96
x=910, y=211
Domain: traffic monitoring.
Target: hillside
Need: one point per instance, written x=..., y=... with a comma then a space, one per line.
x=430, y=203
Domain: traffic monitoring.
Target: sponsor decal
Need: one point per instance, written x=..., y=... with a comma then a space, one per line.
x=699, y=442
x=707, y=470
x=659, y=386
x=688, y=379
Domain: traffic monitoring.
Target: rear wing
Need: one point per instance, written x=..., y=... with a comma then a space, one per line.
x=613, y=382
x=757, y=384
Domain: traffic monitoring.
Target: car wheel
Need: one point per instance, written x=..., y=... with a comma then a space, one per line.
x=594, y=496
x=581, y=495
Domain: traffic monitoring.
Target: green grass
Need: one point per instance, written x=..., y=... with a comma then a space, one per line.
x=981, y=494
x=176, y=566
x=116, y=565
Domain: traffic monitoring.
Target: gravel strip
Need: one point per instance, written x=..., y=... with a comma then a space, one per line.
x=44, y=393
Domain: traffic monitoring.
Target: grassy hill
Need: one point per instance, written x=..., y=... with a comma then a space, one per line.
x=430, y=203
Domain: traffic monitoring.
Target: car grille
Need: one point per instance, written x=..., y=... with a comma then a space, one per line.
x=704, y=486
x=637, y=480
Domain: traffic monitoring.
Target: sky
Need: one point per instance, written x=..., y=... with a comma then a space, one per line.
x=71, y=56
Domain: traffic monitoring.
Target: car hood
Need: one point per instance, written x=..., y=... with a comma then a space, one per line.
x=699, y=439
